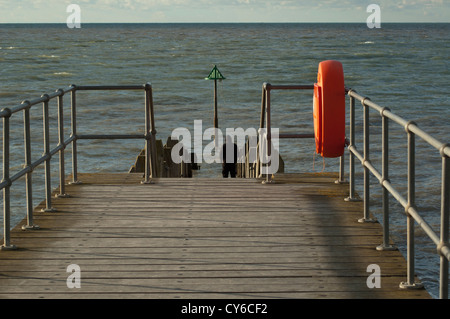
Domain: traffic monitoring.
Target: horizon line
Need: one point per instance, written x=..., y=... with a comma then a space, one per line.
x=262, y=22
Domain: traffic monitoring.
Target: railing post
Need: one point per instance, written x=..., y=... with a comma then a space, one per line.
x=352, y=197
x=341, y=178
x=385, y=177
x=73, y=120
x=268, y=179
x=261, y=126
x=48, y=182
x=366, y=218
x=153, y=132
x=149, y=166
x=7, y=189
x=28, y=176
x=410, y=250
x=263, y=106
x=445, y=212
x=62, y=173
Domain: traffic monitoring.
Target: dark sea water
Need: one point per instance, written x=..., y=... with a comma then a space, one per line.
x=402, y=66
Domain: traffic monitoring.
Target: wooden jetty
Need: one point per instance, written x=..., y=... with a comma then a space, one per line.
x=202, y=238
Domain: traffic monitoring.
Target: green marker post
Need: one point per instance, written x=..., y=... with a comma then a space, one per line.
x=215, y=75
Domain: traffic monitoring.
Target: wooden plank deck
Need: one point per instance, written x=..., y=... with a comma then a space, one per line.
x=202, y=238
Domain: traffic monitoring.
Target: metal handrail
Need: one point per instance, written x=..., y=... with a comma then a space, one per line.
x=412, y=130
x=266, y=120
x=27, y=171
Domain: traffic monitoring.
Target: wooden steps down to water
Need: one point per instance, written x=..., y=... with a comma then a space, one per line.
x=202, y=238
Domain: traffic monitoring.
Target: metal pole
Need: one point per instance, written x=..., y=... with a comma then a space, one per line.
x=153, y=133
x=150, y=139
x=269, y=133
x=28, y=162
x=445, y=208
x=216, y=119
x=341, y=178
x=263, y=106
x=147, y=137
x=257, y=172
x=62, y=173
x=48, y=188
x=352, y=196
x=411, y=203
x=410, y=249
x=6, y=190
x=73, y=105
x=385, y=177
x=366, y=218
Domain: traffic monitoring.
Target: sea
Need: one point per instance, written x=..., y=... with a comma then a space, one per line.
x=402, y=66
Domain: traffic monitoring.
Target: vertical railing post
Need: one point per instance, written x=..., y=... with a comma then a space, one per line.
x=410, y=249
x=73, y=121
x=7, y=189
x=48, y=182
x=385, y=178
x=352, y=196
x=147, y=137
x=257, y=172
x=153, y=133
x=366, y=218
x=263, y=106
x=149, y=166
x=341, y=178
x=269, y=133
x=29, y=174
x=62, y=172
x=445, y=212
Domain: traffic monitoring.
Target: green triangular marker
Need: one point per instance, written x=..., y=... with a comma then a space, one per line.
x=215, y=74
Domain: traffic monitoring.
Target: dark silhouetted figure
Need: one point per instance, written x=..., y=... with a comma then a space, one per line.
x=229, y=162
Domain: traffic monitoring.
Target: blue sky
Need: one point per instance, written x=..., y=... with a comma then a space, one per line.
x=100, y=11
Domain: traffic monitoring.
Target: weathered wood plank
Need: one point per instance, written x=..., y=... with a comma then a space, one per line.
x=202, y=238
x=224, y=296
x=227, y=295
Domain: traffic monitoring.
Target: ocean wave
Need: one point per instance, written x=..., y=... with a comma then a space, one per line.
x=62, y=73
x=48, y=56
x=368, y=55
x=8, y=94
x=37, y=77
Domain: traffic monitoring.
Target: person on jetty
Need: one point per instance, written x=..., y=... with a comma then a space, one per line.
x=229, y=158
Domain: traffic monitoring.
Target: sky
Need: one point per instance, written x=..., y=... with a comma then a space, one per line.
x=157, y=11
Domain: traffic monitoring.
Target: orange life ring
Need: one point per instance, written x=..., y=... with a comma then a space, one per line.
x=329, y=109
